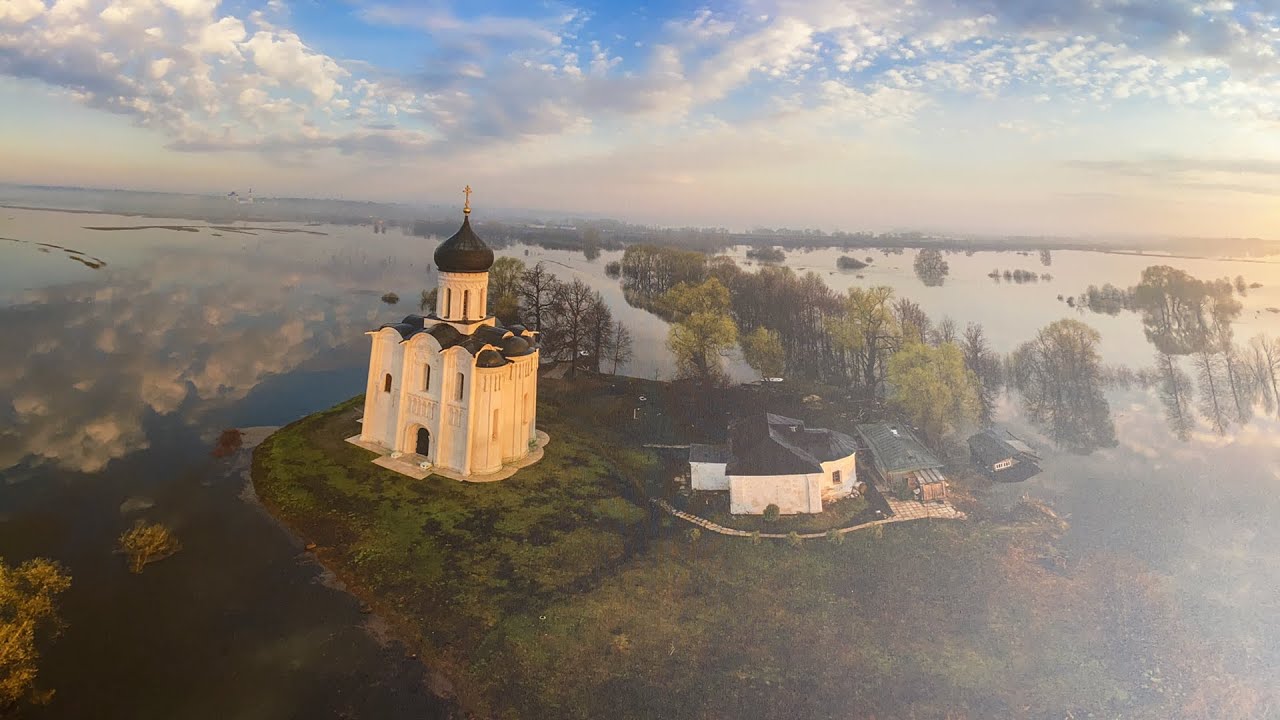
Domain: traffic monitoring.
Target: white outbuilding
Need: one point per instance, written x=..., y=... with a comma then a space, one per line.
x=776, y=460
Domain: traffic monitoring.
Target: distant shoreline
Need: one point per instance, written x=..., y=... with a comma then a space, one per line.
x=787, y=243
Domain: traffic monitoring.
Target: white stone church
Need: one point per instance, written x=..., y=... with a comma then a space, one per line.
x=453, y=393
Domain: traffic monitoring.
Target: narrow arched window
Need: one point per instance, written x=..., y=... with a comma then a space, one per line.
x=386, y=383
x=426, y=378
x=466, y=304
x=448, y=301
x=461, y=380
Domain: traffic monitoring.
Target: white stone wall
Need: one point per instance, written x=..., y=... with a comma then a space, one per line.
x=848, y=468
x=751, y=494
x=708, y=476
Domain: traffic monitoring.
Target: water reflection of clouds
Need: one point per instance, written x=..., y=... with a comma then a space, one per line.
x=180, y=335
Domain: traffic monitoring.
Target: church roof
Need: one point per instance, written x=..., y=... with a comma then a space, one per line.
x=465, y=252
x=768, y=444
x=509, y=344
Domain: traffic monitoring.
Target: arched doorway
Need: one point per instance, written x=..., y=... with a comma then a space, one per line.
x=423, y=444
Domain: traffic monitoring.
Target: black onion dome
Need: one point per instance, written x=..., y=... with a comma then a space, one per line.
x=516, y=346
x=489, y=358
x=465, y=252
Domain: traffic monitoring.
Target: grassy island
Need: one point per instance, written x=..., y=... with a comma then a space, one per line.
x=557, y=593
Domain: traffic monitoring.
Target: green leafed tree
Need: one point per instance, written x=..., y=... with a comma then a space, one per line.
x=934, y=388
x=703, y=330
x=504, y=289
x=762, y=350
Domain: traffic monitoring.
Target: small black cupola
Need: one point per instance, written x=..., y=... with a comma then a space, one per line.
x=465, y=252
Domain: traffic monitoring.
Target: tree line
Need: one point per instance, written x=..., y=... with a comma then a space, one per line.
x=882, y=347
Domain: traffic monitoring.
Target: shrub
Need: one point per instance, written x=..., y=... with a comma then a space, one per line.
x=771, y=513
x=794, y=539
x=391, y=298
x=228, y=442
x=755, y=538
x=147, y=543
x=835, y=537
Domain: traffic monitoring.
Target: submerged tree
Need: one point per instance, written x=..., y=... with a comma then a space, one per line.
x=1059, y=376
x=28, y=614
x=1264, y=359
x=1179, y=312
x=1175, y=390
x=762, y=351
x=1211, y=372
x=930, y=267
x=934, y=388
x=146, y=543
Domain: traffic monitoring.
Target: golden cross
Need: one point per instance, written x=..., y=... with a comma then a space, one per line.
x=466, y=207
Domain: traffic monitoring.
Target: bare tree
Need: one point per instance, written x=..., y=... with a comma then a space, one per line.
x=568, y=331
x=983, y=362
x=599, y=333
x=620, y=350
x=1174, y=389
x=537, y=293
x=913, y=323
x=1211, y=373
x=945, y=332
x=1265, y=358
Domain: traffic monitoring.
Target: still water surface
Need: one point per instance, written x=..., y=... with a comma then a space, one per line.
x=115, y=381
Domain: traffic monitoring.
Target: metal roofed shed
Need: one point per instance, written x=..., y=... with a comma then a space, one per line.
x=902, y=464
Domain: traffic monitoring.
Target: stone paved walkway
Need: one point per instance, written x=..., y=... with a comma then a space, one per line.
x=903, y=510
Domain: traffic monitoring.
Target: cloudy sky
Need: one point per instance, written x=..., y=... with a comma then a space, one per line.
x=1063, y=117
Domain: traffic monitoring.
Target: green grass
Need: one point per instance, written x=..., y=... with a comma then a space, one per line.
x=550, y=595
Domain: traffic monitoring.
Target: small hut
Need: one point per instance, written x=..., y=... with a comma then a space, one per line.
x=1002, y=456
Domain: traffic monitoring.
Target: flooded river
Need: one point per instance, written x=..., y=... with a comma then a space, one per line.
x=126, y=352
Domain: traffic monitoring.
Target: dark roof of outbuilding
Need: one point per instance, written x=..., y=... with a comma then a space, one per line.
x=465, y=252
x=708, y=453
x=895, y=449
x=989, y=448
x=768, y=444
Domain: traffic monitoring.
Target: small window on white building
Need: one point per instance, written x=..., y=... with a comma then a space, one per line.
x=426, y=378
x=461, y=379
x=466, y=304
x=448, y=302
x=495, y=424
x=835, y=477
x=386, y=383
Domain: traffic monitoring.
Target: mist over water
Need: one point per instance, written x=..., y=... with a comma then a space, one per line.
x=114, y=382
